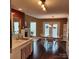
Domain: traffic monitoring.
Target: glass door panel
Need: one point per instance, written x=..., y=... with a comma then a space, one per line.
x=55, y=30
x=46, y=29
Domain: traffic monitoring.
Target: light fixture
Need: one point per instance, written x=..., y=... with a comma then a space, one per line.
x=44, y=9
x=43, y=1
x=42, y=4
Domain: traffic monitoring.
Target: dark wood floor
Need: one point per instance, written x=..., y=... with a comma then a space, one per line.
x=41, y=52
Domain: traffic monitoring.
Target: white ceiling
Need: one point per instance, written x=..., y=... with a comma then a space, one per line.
x=55, y=8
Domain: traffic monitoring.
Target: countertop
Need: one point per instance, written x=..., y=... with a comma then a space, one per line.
x=17, y=43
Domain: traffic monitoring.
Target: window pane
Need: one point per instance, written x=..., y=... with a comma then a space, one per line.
x=33, y=28
x=54, y=30
x=16, y=27
x=46, y=27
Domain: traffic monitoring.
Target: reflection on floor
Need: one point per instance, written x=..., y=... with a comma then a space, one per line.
x=51, y=46
x=47, y=50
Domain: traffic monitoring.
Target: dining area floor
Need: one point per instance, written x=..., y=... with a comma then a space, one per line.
x=46, y=50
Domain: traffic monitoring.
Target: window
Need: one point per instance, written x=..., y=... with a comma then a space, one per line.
x=55, y=30
x=16, y=27
x=33, y=28
x=46, y=29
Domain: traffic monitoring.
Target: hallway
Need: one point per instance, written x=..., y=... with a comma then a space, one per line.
x=46, y=50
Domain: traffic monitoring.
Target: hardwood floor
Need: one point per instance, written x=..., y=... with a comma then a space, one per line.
x=43, y=51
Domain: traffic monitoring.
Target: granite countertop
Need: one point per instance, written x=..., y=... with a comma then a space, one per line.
x=17, y=43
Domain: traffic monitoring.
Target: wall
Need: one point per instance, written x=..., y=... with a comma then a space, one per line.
x=39, y=27
x=39, y=22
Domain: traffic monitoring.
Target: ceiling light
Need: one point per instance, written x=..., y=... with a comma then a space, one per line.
x=44, y=9
x=42, y=6
x=40, y=2
x=20, y=9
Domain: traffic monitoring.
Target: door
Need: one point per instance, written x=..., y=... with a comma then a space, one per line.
x=55, y=35
x=51, y=29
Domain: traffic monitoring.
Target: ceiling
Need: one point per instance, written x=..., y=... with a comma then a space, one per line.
x=55, y=8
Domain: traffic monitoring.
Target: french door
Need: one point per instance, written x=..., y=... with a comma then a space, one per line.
x=51, y=29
